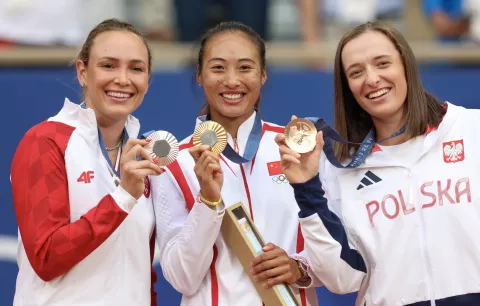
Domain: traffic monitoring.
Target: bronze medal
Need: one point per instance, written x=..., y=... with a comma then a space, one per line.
x=300, y=135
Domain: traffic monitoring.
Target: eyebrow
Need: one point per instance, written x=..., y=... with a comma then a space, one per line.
x=109, y=58
x=375, y=58
x=223, y=60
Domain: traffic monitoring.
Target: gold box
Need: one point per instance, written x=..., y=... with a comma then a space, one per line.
x=243, y=238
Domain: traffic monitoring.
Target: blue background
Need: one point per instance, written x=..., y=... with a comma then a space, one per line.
x=31, y=95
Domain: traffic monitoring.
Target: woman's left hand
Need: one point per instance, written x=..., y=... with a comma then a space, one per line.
x=274, y=267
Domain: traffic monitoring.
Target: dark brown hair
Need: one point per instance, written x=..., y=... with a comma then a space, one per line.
x=352, y=122
x=107, y=26
x=230, y=26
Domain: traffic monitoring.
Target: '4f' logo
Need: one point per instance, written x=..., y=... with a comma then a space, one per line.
x=85, y=177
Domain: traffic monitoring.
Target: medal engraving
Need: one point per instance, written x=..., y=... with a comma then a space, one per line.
x=300, y=135
x=161, y=148
x=209, y=138
x=163, y=145
x=212, y=134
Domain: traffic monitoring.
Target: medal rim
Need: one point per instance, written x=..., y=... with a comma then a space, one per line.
x=170, y=139
x=292, y=145
x=219, y=131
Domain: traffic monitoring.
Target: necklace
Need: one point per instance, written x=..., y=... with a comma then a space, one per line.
x=112, y=148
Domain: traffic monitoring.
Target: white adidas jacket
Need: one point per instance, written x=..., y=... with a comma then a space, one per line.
x=402, y=229
x=194, y=257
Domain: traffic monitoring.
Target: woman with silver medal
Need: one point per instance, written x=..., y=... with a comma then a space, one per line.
x=80, y=185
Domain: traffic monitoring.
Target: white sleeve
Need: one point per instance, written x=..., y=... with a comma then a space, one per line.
x=185, y=240
x=313, y=279
x=329, y=250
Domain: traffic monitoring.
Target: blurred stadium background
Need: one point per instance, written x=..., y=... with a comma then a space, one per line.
x=38, y=40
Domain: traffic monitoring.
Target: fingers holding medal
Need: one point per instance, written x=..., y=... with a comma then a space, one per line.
x=209, y=140
x=163, y=146
x=212, y=134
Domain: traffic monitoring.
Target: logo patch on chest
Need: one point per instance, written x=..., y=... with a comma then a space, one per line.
x=453, y=151
x=276, y=173
x=86, y=177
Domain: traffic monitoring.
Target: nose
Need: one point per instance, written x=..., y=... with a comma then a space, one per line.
x=231, y=79
x=122, y=78
x=373, y=78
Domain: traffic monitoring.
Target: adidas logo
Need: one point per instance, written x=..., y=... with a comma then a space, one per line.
x=368, y=180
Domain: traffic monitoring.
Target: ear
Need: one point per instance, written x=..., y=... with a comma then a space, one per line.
x=198, y=77
x=81, y=72
x=263, y=78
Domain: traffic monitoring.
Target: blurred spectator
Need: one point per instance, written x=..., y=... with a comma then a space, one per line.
x=473, y=9
x=46, y=22
x=329, y=19
x=195, y=16
x=152, y=17
x=54, y=22
x=449, y=18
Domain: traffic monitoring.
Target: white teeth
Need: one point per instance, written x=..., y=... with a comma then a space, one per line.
x=378, y=93
x=232, y=96
x=118, y=94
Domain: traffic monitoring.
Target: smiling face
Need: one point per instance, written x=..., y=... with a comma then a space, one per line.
x=116, y=77
x=231, y=75
x=376, y=75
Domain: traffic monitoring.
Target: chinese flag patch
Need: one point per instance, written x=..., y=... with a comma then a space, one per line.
x=274, y=168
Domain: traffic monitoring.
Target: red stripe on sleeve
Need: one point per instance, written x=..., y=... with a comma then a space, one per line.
x=40, y=195
x=182, y=182
x=153, y=300
x=213, y=276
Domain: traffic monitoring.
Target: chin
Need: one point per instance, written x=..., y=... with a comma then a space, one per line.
x=233, y=112
x=120, y=112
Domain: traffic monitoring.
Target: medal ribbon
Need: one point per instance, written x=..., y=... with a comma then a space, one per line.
x=366, y=146
x=104, y=148
x=253, y=142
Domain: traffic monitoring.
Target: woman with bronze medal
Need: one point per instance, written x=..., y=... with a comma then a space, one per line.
x=84, y=212
x=230, y=157
x=393, y=207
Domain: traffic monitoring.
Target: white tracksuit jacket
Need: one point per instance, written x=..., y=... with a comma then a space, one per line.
x=194, y=257
x=83, y=240
x=402, y=229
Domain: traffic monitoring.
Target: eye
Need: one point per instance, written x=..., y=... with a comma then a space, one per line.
x=355, y=73
x=217, y=67
x=138, y=69
x=107, y=66
x=245, y=67
x=384, y=63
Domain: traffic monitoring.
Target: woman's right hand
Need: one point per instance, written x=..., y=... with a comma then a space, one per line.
x=208, y=171
x=299, y=168
x=133, y=171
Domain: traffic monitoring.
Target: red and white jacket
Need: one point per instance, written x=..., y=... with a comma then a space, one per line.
x=83, y=240
x=194, y=257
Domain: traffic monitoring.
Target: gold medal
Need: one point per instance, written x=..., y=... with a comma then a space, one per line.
x=212, y=134
x=301, y=135
x=163, y=145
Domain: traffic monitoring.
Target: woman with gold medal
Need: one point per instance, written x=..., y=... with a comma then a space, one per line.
x=231, y=157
